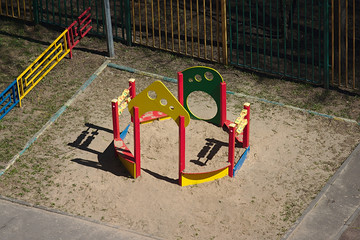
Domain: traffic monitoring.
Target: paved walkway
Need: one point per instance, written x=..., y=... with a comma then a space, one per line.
x=19, y=221
x=334, y=213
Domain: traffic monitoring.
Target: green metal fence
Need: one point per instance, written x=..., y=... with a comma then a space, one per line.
x=315, y=41
x=63, y=12
x=282, y=37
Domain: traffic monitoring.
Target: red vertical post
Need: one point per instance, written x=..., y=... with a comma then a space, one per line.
x=181, y=147
x=132, y=88
x=231, y=155
x=115, y=118
x=69, y=43
x=137, y=141
x=180, y=87
x=246, y=134
x=222, y=103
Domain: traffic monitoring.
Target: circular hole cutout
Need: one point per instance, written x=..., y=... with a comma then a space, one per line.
x=198, y=78
x=171, y=108
x=163, y=102
x=201, y=105
x=209, y=76
x=152, y=95
x=191, y=80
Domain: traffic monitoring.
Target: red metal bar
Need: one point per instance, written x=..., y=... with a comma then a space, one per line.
x=222, y=103
x=137, y=141
x=180, y=88
x=115, y=118
x=132, y=89
x=181, y=147
x=78, y=30
x=246, y=132
x=232, y=129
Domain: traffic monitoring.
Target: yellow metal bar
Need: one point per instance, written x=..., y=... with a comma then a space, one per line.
x=165, y=25
x=159, y=25
x=146, y=24
x=204, y=14
x=12, y=8
x=140, y=21
x=192, y=29
x=178, y=23
x=18, y=5
x=185, y=27
x=153, y=23
x=172, y=25
x=224, y=31
x=197, y=25
x=133, y=19
x=42, y=54
x=61, y=48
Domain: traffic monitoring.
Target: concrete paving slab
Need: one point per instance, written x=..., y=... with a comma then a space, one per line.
x=19, y=222
x=327, y=217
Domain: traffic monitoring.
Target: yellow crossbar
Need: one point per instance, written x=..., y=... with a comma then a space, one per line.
x=42, y=65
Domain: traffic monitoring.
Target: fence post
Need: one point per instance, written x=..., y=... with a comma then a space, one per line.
x=326, y=44
x=224, y=31
x=128, y=22
x=108, y=29
x=36, y=11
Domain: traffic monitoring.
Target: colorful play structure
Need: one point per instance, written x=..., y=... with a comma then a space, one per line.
x=156, y=102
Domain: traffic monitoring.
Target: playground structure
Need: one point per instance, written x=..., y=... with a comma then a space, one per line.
x=157, y=102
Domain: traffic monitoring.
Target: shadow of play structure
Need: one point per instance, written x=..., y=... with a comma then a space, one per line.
x=157, y=102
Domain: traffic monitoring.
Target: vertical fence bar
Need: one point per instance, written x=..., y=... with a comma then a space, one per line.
x=146, y=24
x=339, y=46
x=257, y=33
x=172, y=25
x=166, y=38
x=211, y=32
x=237, y=32
x=153, y=23
x=346, y=42
x=285, y=35
x=218, y=28
x=354, y=47
x=277, y=35
x=204, y=14
x=224, y=32
x=306, y=50
x=185, y=27
x=192, y=28
x=140, y=22
x=250, y=22
x=271, y=42
x=264, y=32
x=326, y=44
x=244, y=39
x=197, y=25
x=292, y=37
x=159, y=24
x=332, y=42
x=178, y=24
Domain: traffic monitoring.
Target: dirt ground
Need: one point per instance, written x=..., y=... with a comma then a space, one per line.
x=72, y=167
